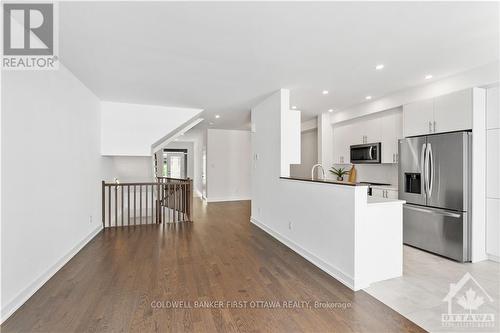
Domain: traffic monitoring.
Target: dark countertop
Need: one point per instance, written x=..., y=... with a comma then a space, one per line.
x=327, y=181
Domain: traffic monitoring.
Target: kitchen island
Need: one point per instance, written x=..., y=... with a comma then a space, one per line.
x=335, y=225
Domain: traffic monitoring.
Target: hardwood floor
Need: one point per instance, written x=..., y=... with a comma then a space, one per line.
x=124, y=279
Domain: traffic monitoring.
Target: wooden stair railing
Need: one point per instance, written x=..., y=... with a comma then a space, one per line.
x=167, y=200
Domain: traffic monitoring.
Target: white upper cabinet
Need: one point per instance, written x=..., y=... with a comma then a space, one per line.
x=384, y=127
x=453, y=112
x=493, y=108
x=391, y=129
x=418, y=118
x=342, y=136
x=365, y=130
x=447, y=113
x=372, y=130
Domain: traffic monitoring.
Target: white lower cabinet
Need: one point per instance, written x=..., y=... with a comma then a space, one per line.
x=381, y=192
x=493, y=227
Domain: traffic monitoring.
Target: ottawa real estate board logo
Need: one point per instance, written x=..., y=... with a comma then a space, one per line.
x=30, y=32
x=468, y=305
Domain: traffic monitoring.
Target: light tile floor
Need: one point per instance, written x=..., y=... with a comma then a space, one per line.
x=419, y=293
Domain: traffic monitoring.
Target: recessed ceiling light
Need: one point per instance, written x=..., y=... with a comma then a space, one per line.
x=294, y=107
x=217, y=116
x=428, y=77
x=379, y=67
x=330, y=110
x=210, y=123
x=368, y=97
x=325, y=92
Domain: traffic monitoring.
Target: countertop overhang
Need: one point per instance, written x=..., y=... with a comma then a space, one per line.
x=326, y=181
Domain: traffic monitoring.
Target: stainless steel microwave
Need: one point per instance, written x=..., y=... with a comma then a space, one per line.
x=366, y=153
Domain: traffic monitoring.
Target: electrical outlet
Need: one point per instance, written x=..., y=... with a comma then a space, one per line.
x=90, y=219
x=290, y=225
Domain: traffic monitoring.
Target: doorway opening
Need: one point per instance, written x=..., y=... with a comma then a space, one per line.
x=175, y=163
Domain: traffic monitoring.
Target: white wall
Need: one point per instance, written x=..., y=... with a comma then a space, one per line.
x=199, y=145
x=131, y=129
x=51, y=172
x=380, y=173
x=130, y=168
x=325, y=140
x=228, y=165
x=493, y=173
x=308, y=154
x=296, y=212
x=290, y=135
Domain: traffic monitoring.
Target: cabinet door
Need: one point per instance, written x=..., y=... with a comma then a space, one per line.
x=345, y=149
x=391, y=194
x=337, y=132
x=357, y=132
x=391, y=132
x=453, y=112
x=341, y=144
x=418, y=118
x=377, y=192
x=371, y=128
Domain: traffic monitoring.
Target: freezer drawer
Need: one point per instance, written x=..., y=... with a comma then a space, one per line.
x=439, y=231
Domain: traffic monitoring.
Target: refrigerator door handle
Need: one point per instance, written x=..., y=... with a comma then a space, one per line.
x=418, y=209
x=422, y=167
x=435, y=212
x=448, y=214
x=430, y=168
x=426, y=171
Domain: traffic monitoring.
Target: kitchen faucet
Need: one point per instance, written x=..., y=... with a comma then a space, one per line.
x=322, y=171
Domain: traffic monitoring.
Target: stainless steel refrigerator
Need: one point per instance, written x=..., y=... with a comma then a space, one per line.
x=434, y=179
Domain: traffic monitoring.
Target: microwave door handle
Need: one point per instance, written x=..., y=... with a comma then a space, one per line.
x=422, y=167
x=370, y=152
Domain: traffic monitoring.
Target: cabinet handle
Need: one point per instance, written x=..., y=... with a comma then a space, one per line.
x=434, y=126
x=393, y=158
x=397, y=158
x=430, y=127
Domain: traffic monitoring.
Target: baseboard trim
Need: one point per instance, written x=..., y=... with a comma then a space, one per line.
x=493, y=257
x=228, y=199
x=31, y=289
x=316, y=261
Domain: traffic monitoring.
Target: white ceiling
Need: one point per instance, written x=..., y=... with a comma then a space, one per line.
x=224, y=57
